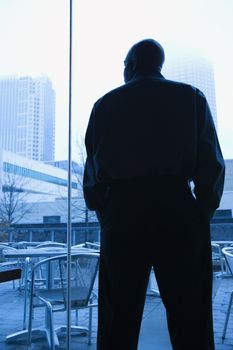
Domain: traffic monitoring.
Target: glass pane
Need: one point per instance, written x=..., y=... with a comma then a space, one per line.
x=34, y=115
x=33, y=153
x=196, y=36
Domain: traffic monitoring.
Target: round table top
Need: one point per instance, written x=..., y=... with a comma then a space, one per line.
x=44, y=252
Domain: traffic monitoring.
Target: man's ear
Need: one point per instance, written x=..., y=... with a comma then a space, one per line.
x=133, y=66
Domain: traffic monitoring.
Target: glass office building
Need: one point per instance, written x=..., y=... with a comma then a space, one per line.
x=27, y=117
x=194, y=70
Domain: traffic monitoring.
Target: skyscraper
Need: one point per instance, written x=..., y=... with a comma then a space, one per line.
x=27, y=117
x=196, y=71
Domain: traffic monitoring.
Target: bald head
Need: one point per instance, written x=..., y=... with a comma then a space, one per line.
x=145, y=57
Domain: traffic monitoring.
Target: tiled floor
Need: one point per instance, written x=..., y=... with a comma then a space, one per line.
x=154, y=335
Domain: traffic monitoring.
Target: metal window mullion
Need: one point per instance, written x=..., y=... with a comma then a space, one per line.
x=69, y=225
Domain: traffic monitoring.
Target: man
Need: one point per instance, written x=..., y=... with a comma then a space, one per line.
x=146, y=141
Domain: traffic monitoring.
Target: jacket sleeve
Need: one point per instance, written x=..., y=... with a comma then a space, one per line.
x=94, y=192
x=210, y=168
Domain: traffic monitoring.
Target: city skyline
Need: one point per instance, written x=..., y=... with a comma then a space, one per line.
x=25, y=94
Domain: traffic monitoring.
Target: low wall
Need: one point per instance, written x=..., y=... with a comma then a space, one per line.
x=222, y=231
x=50, y=232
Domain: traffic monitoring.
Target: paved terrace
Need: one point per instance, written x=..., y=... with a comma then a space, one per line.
x=153, y=333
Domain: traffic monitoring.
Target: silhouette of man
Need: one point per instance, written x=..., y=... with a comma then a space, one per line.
x=146, y=141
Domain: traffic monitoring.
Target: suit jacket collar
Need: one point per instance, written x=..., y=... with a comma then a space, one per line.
x=156, y=75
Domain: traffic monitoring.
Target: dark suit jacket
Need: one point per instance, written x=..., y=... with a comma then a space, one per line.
x=152, y=127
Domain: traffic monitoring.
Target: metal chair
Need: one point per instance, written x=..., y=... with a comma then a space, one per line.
x=218, y=261
x=53, y=295
x=8, y=263
x=22, y=264
x=93, y=245
x=89, y=245
x=228, y=254
x=25, y=244
x=47, y=244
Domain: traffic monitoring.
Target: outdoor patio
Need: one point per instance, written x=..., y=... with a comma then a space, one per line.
x=153, y=333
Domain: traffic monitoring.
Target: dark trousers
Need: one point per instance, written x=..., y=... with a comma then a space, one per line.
x=154, y=222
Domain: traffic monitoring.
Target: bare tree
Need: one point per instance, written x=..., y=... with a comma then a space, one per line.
x=78, y=202
x=79, y=208
x=13, y=203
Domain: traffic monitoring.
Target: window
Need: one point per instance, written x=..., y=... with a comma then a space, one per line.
x=18, y=170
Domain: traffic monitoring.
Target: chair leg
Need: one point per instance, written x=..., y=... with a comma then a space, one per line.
x=29, y=340
x=90, y=326
x=52, y=330
x=227, y=316
x=76, y=317
x=25, y=293
x=222, y=263
x=50, y=325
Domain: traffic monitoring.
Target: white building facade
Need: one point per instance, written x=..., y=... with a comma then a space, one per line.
x=42, y=182
x=27, y=117
x=44, y=190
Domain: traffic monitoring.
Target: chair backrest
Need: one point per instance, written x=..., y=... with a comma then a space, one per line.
x=89, y=245
x=22, y=244
x=84, y=267
x=4, y=247
x=216, y=250
x=93, y=245
x=50, y=244
x=228, y=254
